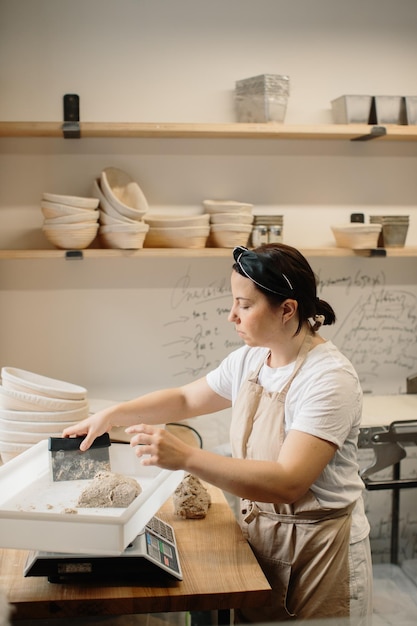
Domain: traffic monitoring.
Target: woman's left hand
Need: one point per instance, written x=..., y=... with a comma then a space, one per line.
x=158, y=447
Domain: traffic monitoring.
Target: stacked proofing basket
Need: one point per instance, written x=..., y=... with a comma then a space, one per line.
x=122, y=208
x=35, y=407
x=230, y=223
x=71, y=222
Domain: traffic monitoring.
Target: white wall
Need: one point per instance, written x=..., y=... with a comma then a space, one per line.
x=178, y=60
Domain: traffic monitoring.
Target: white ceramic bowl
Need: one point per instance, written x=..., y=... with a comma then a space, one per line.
x=123, y=193
x=35, y=427
x=357, y=236
x=25, y=437
x=9, y=451
x=75, y=415
x=71, y=236
x=185, y=237
x=227, y=206
x=11, y=399
x=124, y=236
x=231, y=218
x=74, y=201
x=30, y=382
x=176, y=221
x=229, y=235
x=51, y=210
x=86, y=217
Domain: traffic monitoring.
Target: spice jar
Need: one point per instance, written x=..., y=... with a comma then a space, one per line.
x=275, y=233
x=259, y=235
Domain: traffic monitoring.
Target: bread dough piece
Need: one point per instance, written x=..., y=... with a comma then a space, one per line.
x=109, y=490
x=191, y=498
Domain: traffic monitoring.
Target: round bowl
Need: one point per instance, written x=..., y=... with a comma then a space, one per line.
x=231, y=218
x=9, y=451
x=25, y=437
x=75, y=415
x=229, y=235
x=108, y=209
x=86, y=217
x=176, y=221
x=357, y=236
x=74, y=201
x=123, y=193
x=30, y=382
x=106, y=219
x=11, y=399
x=71, y=236
x=51, y=210
x=123, y=236
x=186, y=237
x=35, y=427
x=227, y=206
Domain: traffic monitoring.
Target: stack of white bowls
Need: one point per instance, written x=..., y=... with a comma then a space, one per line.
x=35, y=407
x=71, y=222
x=122, y=208
x=177, y=231
x=230, y=222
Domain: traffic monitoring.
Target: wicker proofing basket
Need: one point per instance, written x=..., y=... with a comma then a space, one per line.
x=357, y=236
x=229, y=235
x=123, y=236
x=73, y=201
x=227, y=206
x=231, y=218
x=71, y=236
x=123, y=193
x=185, y=237
x=177, y=221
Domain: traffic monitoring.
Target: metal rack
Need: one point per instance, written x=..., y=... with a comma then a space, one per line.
x=389, y=447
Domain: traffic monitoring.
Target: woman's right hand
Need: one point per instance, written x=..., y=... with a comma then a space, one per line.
x=92, y=427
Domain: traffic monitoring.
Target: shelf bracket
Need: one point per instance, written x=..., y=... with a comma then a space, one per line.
x=71, y=126
x=74, y=254
x=375, y=132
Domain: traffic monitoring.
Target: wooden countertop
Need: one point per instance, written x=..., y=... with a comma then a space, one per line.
x=219, y=572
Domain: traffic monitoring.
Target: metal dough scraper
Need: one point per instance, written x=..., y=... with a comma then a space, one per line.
x=69, y=463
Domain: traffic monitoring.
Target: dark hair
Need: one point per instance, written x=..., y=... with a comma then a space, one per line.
x=287, y=261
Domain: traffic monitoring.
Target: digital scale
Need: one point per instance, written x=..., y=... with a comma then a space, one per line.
x=151, y=553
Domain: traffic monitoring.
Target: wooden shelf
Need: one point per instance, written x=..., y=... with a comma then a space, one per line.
x=206, y=130
x=94, y=253
x=182, y=130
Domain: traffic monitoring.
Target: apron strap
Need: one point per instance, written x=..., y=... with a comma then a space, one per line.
x=251, y=511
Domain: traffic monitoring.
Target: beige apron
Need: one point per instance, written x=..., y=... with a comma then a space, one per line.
x=301, y=547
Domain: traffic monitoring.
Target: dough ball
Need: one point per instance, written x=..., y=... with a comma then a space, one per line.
x=109, y=490
x=191, y=498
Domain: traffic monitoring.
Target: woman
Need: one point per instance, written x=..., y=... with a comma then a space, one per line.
x=295, y=421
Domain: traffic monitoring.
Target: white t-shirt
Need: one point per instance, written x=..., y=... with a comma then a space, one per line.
x=324, y=400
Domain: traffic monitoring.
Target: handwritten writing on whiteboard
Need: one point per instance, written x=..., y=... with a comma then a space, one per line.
x=197, y=335
x=376, y=325
x=376, y=328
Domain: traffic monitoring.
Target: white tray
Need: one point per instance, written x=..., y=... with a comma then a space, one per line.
x=39, y=514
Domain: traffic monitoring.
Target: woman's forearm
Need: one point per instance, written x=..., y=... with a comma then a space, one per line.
x=263, y=481
x=157, y=407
